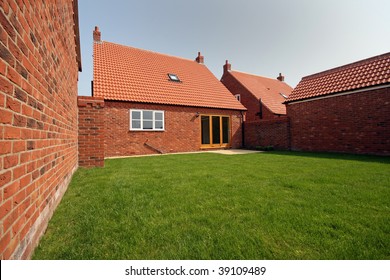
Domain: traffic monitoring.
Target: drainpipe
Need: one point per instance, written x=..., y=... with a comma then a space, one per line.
x=261, y=109
x=242, y=129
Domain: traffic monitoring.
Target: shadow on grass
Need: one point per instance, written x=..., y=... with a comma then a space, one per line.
x=338, y=156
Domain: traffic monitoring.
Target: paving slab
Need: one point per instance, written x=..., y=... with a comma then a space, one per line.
x=222, y=152
x=233, y=152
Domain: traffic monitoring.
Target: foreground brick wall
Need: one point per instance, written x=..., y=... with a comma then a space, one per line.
x=182, y=129
x=91, y=131
x=38, y=118
x=355, y=123
x=274, y=132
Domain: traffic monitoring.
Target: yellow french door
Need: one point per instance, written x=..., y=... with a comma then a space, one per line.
x=215, y=131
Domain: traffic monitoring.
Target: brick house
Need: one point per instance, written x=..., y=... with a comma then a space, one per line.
x=345, y=109
x=266, y=123
x=156, y=103
x=40, y=60
x=263, y=97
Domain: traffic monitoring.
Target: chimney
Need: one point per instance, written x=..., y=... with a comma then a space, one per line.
x=199, y=58
x=280, y=78
x=227, y=67
x=97, y=35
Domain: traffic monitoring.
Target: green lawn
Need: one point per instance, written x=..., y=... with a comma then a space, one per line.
x=274, y=205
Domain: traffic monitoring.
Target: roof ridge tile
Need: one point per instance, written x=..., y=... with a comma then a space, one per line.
x=359, y=64
x=149, y=51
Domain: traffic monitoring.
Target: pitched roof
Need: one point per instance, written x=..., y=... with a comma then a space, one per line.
x=365, y=73
x=130, y=74
x=269, y=90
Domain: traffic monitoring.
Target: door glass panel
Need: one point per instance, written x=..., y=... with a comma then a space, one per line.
x=216, y=130
x=225, y=130
x=205, y=120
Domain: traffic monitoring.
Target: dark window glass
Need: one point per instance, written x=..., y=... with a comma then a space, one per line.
x=225, y=130
x=216, y=130
x=205, y=120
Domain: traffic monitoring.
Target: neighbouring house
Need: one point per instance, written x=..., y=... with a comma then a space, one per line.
x=263, y=97
x=40, y=61
x=157, y=103
x=345, y=109
x=266, y=124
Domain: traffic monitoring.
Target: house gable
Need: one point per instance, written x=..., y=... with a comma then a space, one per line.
x=254, y=89
x=256, y=110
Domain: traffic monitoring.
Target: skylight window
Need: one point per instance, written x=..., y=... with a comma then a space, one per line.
x=284, y=96
x=174, y=77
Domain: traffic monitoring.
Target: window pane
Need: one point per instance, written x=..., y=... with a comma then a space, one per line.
x=136, y=115
x=148, y=124
x=205, y=120
x=158, y=116
x=225, y=130
x=216, y=130
x=148, y=115
x=158, y=125
x=174, y=77
x=136, y=124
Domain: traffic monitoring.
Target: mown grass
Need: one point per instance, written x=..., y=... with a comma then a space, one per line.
x=276, y=205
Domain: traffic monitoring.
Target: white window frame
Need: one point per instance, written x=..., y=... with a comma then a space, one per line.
x=154, y=112
x=238, y=97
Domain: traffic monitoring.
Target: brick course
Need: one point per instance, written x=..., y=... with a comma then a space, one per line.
x=354, y=123
x=38, y=117
x=91, y=131
x=273, y=132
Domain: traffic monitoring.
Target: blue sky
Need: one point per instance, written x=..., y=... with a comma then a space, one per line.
x=262, y=37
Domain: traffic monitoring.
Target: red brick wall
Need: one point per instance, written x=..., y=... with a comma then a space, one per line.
x=355, y=123
x=247, y=99
x=38, y=118
x=91, y=131
x=274, y=132
x=182, y=129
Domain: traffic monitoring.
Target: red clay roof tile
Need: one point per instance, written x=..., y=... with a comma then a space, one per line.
x=269, y=90
x=130, y=74
x=365, y=73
